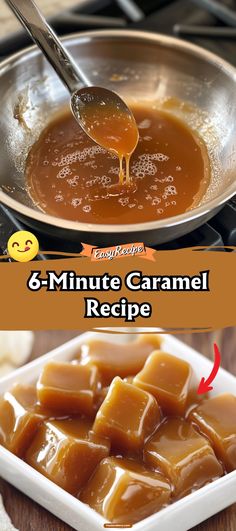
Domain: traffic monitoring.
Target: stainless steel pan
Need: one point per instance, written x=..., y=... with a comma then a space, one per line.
x=140, y=66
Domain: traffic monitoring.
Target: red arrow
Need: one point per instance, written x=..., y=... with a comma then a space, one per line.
x=204, y=386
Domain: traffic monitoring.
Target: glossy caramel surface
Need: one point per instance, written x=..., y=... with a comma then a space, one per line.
x=18, y=423
x=127, y=446
x=124, y=491
x=68, y=175
x=183, y=455
x=66, y=452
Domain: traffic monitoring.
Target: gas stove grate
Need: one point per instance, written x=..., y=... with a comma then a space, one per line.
x=223, y=13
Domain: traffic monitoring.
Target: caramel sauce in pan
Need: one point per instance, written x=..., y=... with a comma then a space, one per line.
x=70, y=176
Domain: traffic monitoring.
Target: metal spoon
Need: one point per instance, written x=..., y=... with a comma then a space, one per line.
x=85, y=102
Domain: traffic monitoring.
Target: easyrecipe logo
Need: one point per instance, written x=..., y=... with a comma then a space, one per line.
x=118, y=251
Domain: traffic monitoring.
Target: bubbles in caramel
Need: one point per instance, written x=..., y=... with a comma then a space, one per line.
x=70, y=176
x=127, y=438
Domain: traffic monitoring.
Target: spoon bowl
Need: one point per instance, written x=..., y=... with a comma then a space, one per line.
x=106, y=119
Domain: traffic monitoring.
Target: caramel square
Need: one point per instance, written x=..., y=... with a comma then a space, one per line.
x=67, y=452
x=183, y=455
x=124, y=491
x=169, y=379
x=127, y=416
x=68, y=388
x=18, y=423
x=216, y=418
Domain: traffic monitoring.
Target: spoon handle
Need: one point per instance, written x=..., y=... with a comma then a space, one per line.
x=43, y=35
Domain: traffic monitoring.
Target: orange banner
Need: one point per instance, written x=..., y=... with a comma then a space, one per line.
x=177, y=290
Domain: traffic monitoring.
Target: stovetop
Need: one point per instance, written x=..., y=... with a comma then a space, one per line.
x=208, y=23
x=195, y=20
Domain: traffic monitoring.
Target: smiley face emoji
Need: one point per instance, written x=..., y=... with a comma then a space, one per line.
x=23, y=246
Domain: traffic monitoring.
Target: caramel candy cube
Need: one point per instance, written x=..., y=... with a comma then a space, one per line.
x=169, y=379
x=67, y=452
x=68, y=388
x=114, y=359
x=216, y=418
x=127, y=416
x=18, y=423
x=183, y=455
x=124, y=491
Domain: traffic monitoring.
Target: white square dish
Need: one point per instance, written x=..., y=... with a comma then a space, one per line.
x=180, y=516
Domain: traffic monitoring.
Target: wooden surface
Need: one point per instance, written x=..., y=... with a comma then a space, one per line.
x=29, y=516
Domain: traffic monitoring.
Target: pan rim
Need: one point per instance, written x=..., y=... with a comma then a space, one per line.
x=165, y=223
